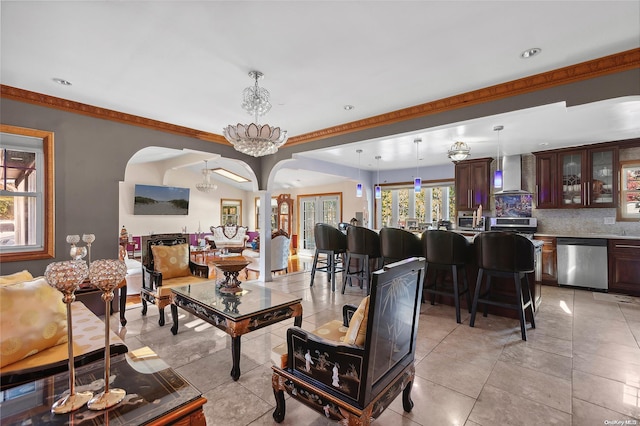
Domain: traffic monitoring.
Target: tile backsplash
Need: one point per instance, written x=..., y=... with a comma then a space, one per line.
x=578, y=221
x=582, y=222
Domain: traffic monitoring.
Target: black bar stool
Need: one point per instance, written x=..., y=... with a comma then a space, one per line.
x=504, y=254
x=332, y=243
x=447, y=251
x=363, y=247
x=398, y=244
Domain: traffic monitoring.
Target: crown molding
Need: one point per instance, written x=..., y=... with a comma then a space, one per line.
x=40, y=99
x=619, y=62
x=611, y=64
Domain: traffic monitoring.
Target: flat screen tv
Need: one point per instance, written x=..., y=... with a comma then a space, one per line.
x=160, y=200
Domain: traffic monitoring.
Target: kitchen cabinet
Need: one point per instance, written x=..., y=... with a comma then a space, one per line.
x=473, y=184
x=549, y=260
x=546, y=180
x=577, y=178
x=624, y=266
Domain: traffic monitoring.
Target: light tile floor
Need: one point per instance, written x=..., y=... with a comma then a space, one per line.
x=580, y=366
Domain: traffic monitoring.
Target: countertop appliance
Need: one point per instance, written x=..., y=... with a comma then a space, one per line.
x=522, y=225
x=465, y=223
x=582, y=262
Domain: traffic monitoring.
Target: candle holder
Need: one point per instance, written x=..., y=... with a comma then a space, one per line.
x=89, y=238
x=76, y=252
x=106, y=274
x=66, y=277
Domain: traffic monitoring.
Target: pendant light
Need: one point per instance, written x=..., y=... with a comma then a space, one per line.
x=378, y=190
x=417, y=182
x=359, y=184
x=497, y=177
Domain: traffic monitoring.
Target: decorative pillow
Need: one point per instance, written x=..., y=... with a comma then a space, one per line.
x=33, y=317
x=357, y=331
x=171, y=261
x=17, y=277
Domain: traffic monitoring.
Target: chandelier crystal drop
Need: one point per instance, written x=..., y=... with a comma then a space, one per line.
x=206, y=185
x=255, y=139
x=459, y=151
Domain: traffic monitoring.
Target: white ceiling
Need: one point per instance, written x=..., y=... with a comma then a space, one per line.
x=187, y=63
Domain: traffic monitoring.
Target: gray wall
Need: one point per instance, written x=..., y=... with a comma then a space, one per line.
x=90, y=159
x=91, y=154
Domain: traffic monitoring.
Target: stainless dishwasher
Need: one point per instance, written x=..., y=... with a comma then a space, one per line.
x=582, y=262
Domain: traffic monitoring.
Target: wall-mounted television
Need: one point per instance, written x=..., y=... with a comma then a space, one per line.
x=160, y=200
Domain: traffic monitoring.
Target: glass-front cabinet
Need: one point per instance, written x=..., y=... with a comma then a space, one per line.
x=602, y=172
x=571, y=166
x=587, y=178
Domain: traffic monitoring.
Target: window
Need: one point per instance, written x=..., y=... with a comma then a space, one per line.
x=399, y=203
x=630, y=190
x=26, y=194
x=230, y=212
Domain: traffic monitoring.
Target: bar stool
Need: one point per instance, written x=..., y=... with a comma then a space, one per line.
x=398, y=244
x=504, y=254
x=363, y=247
x=447, y=251
x=332, y=243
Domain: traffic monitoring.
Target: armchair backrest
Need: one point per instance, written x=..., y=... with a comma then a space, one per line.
x=392, y=324
x=279, y=253
x=159, y=239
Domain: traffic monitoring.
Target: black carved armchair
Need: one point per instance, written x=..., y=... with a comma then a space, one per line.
x=166, y=263
x=354, y=382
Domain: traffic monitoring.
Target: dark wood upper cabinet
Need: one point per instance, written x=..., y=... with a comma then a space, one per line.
x=546, y=180
x=576, y=178
x=473, y=184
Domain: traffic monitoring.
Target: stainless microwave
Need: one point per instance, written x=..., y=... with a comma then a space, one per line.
x=465, y=223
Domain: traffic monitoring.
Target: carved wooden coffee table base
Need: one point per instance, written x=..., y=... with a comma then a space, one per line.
x=236, y=314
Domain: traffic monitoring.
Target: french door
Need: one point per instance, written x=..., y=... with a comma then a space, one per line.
x=314, y=209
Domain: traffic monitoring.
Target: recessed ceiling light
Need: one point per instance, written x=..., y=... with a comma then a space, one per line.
x=62, y=81
x=348, y=107
x=530, y=52
x=544, y=143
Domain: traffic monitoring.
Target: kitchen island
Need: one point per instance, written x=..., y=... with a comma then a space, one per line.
x=500, y=286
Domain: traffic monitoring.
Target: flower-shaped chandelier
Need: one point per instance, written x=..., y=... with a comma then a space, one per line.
x=255, y=139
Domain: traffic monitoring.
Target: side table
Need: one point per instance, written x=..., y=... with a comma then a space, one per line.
x=92, y=298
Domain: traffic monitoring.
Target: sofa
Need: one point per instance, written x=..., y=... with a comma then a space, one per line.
x=37, y=348
x=232, y=237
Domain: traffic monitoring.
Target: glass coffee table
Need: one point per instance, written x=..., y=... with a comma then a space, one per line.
x=156, y=395
x=252, y=308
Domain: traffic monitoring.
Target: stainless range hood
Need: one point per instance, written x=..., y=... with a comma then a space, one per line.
x=512, y=175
